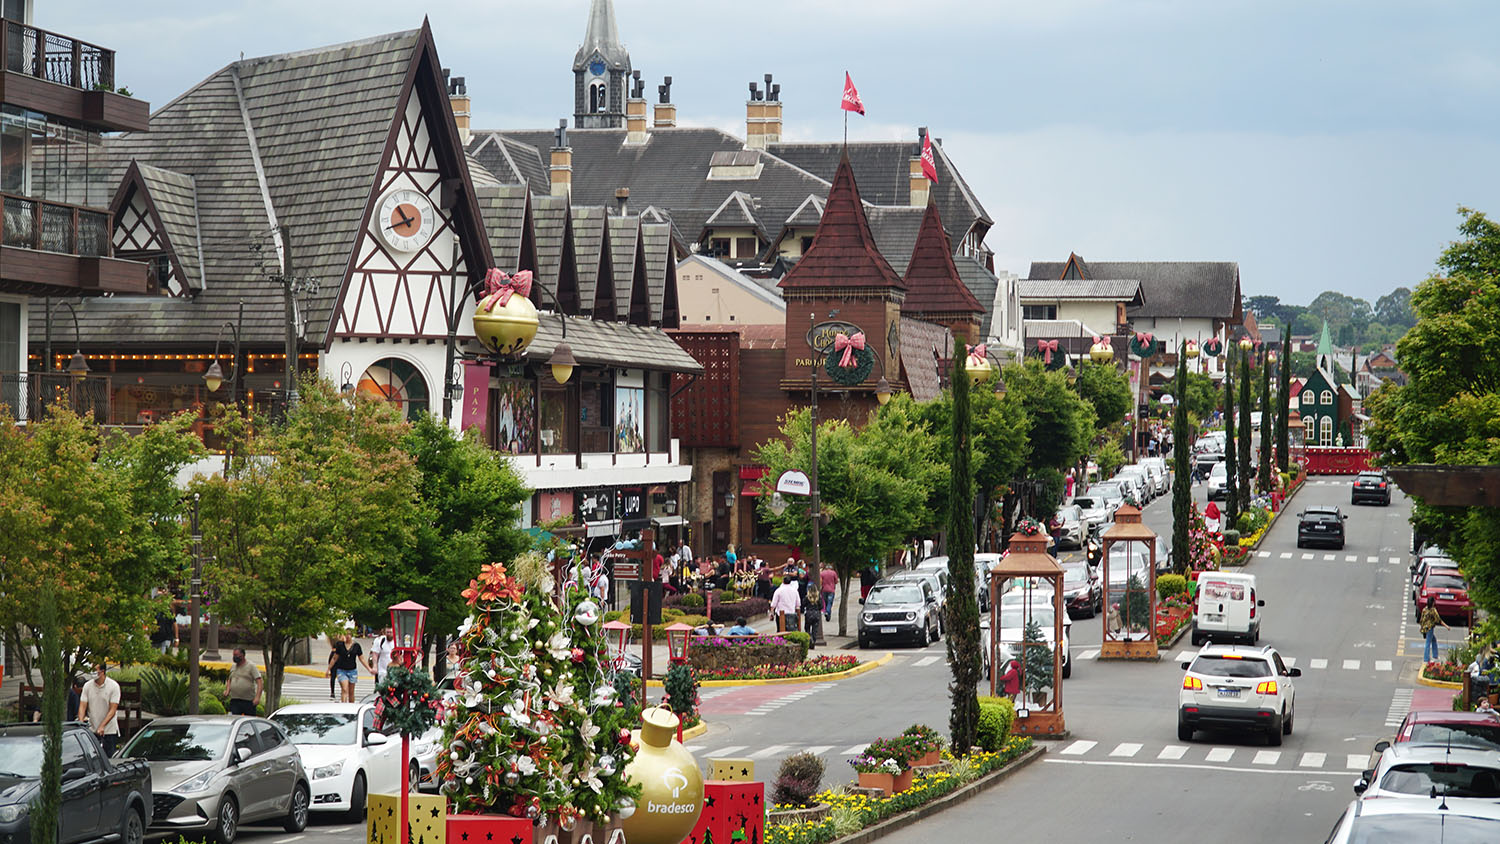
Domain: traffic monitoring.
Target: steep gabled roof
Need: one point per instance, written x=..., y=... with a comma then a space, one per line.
x=982, y=283
x=737, y=209
x=596, y=285
x=661, y=272
x=932, y=282
x=895, y=228
x=808, y=213
x=173, y=199
x=843, y=252
x=628, y=261
x=505, y=210
x=603, y=37
x=1086, y=290
x=557, y=263
x=1203, y=289
x=511, y=163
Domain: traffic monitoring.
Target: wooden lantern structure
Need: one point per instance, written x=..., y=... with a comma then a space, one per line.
x=1129, y=592
x=1296, y=439
x=1028, y=557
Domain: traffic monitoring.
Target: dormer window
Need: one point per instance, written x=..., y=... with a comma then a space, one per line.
x=1307, y=398
x=1326, y=397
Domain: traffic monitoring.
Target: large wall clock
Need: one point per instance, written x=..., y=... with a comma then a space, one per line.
x=596, y=66
x=406, y=220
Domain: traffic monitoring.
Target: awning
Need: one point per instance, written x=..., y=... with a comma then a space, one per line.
x=751, y=488
x=750, y=473
x=668, y=521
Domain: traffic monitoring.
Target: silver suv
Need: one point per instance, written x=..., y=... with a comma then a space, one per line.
x=905, y=610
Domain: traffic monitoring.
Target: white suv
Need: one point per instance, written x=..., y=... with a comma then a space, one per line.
x=1233, y=687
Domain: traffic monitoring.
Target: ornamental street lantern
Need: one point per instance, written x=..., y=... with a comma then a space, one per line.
x=618, y=633
x=1192, y=349
x=1102, y=351
x=1246, y=344
x=1130, y=588
x=407, y=619
x=677, y=642
x=1296, y=435
x=977, y=362
x=1026, y=625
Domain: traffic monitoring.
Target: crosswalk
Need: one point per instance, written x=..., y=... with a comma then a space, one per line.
x=1083, y=654
x=1324, y=557
x=1251, y=757
x=774, y=704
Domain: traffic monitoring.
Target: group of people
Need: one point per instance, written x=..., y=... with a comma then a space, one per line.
x=345, y=656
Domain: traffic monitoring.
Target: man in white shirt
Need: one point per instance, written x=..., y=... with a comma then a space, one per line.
x=99, y=706
x=684, y=553
x=380, y=652
x=786, y=603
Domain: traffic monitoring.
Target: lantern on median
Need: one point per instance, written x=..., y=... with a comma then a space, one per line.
x=407, y=619
x=1026, y=624
x=1129, y=588
x=677, y=642
x=618, y=633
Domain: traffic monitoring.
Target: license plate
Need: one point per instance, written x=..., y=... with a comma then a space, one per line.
x=1447, y=597
x=1216, y=617
x=1229, y=692
x=887, y=630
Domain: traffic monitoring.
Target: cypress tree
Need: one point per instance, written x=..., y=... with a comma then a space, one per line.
x=1231, y=454
x=1182, y=479
x=45, y=813
x=962, y=605
x=1283, y=419
x=1244, y=440
x=1267, y=425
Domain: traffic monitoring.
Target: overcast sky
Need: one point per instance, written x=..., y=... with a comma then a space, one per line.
x=1322, y=145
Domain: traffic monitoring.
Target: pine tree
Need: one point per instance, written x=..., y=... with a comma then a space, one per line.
x=45, y=815
x=1037, y=670
x=1267, y=422
x=1243, y=487
x=1136, y=615
x=1182, y=478
x=681, y=687
x=1283, y=418
x=962, y=605
x=1231, y=454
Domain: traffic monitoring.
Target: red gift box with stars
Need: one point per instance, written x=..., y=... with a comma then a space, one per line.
x=733, y=813
x=488, y=829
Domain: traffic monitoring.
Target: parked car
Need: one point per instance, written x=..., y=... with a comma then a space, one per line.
x=1161, y=473
x=1140, y=556
x=1013, y=618
x=101, y=797
x=212, y=773
x=1255, y=420
x=936, y=580
x=1416, y=820
x=1112, y=493
x=1238, y=688
x=1134, y=480
x=1430, y=557
x=1083, y=589
x=1073, y=531
x=905, y=610
x=1371, y=486
x=1095, y=511
x=982, y=563
x=1218, y=481
x=1420, y=772
x=1449, y=593
x=1204, y=461
x=1321, y=524
x=344, y=755
x=939, y=565
x=1445, y=728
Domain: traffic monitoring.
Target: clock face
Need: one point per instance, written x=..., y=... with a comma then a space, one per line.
x=406, y=220
x=596, y=67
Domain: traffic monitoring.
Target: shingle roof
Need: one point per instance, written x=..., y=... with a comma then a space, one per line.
x=895, y=228
x=593, y=268
x=1102, y=290
x=661, y=272
x=736, y=210
x=611, y=343
x=504, y=211
x=1170, y=288
x=175, y=196
x=632, y=299
x=922, y=345
x=932, y=281
x=982, y=284
x=843, y=252
x=808, y=213
x=556, y=267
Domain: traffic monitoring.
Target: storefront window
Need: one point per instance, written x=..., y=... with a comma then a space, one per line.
x=558, y=408
x=514, y=416
x=396, y=381
x=760, y=529
x=630, y=420
x=595, y=415
x=658, y=419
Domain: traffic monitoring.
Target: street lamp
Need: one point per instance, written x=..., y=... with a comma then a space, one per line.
x=1245, y=344
x=618, y=635
x=407, y=619
x=999, y=387
x=883, y=390
x=1102, y=351
x=77, y=366
x=677, y=642
x=214, y=377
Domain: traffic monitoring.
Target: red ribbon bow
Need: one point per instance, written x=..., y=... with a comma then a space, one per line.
x=498, y=288
x=978, y=355
x=1046, y=347
x=844, y=343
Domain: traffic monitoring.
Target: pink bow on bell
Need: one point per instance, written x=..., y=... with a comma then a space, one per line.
x=844, y=343
x=498, y=288
x=978, y=355
x=1046, y=347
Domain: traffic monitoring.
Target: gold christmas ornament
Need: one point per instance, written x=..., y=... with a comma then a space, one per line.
x=671, y=784
x=505, y=321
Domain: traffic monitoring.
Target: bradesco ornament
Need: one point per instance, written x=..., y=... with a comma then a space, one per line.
x=505, y=321
x=671, y=784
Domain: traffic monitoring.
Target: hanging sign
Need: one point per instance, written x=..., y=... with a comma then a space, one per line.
x=821, y=336
x=793, y=482
x=476, y=397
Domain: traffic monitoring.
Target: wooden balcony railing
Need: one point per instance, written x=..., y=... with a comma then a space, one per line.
x=54, y=227
x=56, y=58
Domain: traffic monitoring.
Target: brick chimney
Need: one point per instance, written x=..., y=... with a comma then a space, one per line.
x=763, y=116
x=562, y=161
x=635, y=111
x=458, y=98
x=666, y=113
x=920, y=187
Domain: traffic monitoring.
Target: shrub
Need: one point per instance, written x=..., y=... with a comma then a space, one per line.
x=996, y=714
x=1168, y=585
x=210, y=705
x=164, y=692
x=1231, y=538
x=798, y=779
x=745, y=607
x=179, y=664
x=800, y=639
x=692, y=599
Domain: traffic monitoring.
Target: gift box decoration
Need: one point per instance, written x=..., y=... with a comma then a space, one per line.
x=426, y=819
x=733, y=813
x=731, y=769
x=489, y=829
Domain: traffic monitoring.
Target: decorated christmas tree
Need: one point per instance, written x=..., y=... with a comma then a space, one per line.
x=537, y=730
x=1037, y=668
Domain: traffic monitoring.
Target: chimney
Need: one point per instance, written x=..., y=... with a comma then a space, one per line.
x=562, y=161
x=458, y=98
x=622, y=198
x=763, y=116
x=666, y=113
x=635, y=111
x=920, y=187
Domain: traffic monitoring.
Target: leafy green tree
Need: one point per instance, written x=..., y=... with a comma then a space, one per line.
x=1231, y=454
x=998, y=444
x=1060, y=426
x=874, y=484
x=1242, y=488
x=1107, y=390
x=98, y=519
x=310, y=510
x=961, y=605
x=1182, y=467
x=55, y=685
x=1202, y=395
x=1284, y=407
x=468, y=503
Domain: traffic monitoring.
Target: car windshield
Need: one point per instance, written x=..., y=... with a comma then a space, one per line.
x=1371, y=478
x=1451, y=780
x=1439, y=580
x=1326, y=518
x=1106, y=489
x=1219, y=470
x=894, y=595
x=1482, y=736
x=1228, y=665
x=181, y=742
x=1011, y=613
x=1075, y=574
x=1086, y=503
x=21, y=756
x=320, y=727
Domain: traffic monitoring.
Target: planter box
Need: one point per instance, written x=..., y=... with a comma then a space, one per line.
x=705, y=656
x=812, y=814
x=478, y=829
x=887, y=783
x=928, y=759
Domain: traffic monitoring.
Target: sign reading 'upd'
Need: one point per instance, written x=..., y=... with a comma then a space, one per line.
x=820, y=337
x=793, y=482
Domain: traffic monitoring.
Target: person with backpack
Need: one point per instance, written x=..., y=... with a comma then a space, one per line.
x=1431, y=618
x=381, y=651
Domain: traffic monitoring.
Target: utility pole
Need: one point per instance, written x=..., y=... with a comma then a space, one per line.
x=195, y=592
x=289, y=307
x=815, y=619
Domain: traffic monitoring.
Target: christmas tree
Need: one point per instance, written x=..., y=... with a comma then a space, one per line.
x=1037, y=659
x=1137, y=609
x=537, y=730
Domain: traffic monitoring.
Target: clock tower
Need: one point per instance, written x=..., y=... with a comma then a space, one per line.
x=601, y=70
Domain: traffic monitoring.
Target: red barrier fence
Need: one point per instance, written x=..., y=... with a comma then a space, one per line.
x=1337, y=461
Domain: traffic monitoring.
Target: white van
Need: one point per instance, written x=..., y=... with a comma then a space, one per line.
x=1228, y=608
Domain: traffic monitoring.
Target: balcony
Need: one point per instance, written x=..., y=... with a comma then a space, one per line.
x=65, y=77
x=52, y=248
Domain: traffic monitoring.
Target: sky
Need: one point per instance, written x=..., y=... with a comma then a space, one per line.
x=1322, y=144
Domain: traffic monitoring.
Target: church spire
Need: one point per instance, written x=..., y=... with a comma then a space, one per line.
x=1325, y=349
x=601, y=69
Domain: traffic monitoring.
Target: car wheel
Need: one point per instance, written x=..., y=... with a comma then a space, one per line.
x=296, y=818
x=1286, y=724
x=1273, y=738
x=133, y=830
x=1196, y=639
x=1184, y=731
x=1299, y=542
x=1255, y=637
x=934, y=635
x=357, y=799
x=228, y=823
x=864, y=644
x=1068, y=668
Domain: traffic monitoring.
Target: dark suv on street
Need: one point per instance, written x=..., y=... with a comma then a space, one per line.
x=102, y=799
x=1371, y=486
x=1321, y=525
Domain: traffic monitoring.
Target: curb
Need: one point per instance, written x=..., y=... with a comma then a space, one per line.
x=1181, y=631
x=696, y=730
x=288, y=669
x=953, y=798
x=784, y=681
x=1437, y=684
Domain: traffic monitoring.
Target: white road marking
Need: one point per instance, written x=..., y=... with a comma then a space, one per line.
x=1220, y=754
x=1286, y=555
x=855, y=750
x=727, y=751
x=1307, y=556
x=1266, y=757
x=1400, y=705
x=1262, y=553
x=1312, y=760
x=1078, y=748
x=288, y=840
x=925, y=661
x=1351, y=559
x=1289, y=660
x=1372, y=559
x=1184, y=656
x=1126, y=749
x=1121, y=763
x=1351, y=664
x=1317, y=663
x=1356, y=761
x=1394, y=561
x=1172, y=751
x=819, y=749
x=767, y=752
x=1327, y=557
x=1089, y=654
x=1382, y=665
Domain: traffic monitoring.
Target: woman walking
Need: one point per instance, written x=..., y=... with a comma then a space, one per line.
x=343, y=663
x=1430, y=620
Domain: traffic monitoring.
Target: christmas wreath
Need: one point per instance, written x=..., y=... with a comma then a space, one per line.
x=1029, y=527
x=1213, y=347
x=406, y=701
x=1143, y=344
x=849, y=364
x=1052, y=357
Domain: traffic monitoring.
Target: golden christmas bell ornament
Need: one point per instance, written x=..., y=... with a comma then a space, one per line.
x=671, y=784
x=505, y=321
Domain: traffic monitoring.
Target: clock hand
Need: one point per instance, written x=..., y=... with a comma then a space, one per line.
x=405, y=220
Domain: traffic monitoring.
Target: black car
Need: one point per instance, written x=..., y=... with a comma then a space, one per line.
x=1321, y=525
x=1371, y=486
x=102, y=799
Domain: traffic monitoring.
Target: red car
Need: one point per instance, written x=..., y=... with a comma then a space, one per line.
x=1449, y=590
x=1474, y=730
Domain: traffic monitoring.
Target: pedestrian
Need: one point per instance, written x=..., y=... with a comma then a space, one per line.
x=741, y=628
x=1431, y=618
x=381, y=651
x=165, y=634
x=1010, y=679
x=75, y=695
x=731, y=557
x=868, y=577
x=830, y=583
x=183, y=621
x=244, y=686
x=99, y=707
x=763, y=581
x=785, y=604
x=343, y=663
x=684, y=552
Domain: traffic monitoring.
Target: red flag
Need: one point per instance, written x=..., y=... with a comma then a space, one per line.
x=929, y=164
x=851, y=97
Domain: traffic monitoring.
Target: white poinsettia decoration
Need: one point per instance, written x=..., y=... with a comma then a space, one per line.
x=562, y=695
x=560, y=646
x=594, y=782
x=464, y=628
x=588, y=730
x=604, y=695
x=516, y=711
x=525, y=765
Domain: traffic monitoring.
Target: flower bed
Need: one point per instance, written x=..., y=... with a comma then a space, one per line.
x=1169, y=620
x=807, y=668
x=853, y=812
x=1443, y=672
x=712, y=654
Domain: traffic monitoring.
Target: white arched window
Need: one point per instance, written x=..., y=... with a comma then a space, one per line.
x=1307, y=398
x=1326, y=397
x=1325, y=431
x=598, y=97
